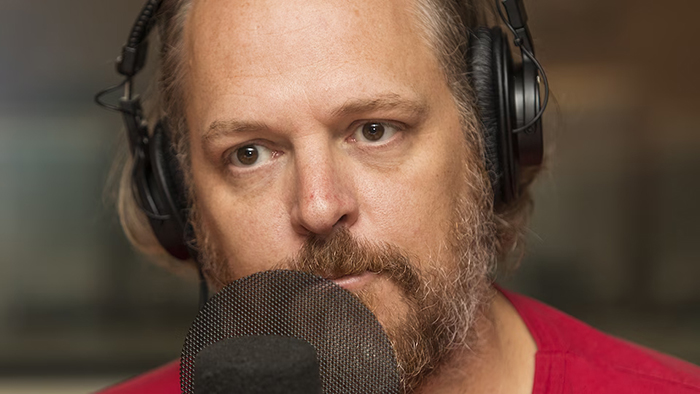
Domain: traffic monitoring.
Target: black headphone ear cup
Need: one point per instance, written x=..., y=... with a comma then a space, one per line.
x=488, y=65
x=527, y=104
x=169, y=192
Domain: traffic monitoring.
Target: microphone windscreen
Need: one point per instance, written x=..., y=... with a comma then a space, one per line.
x=257, y=365
x=354, y=354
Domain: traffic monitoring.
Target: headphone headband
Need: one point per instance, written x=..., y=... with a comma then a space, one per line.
x=133, y=56
x=517, y=19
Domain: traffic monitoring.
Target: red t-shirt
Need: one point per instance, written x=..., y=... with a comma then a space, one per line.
x=571, y=358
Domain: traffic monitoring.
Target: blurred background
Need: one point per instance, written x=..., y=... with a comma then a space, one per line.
x=614, y=239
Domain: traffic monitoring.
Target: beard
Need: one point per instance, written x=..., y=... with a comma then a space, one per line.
x=441, y=299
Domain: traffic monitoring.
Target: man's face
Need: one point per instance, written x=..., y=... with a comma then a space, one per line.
x=312, y=118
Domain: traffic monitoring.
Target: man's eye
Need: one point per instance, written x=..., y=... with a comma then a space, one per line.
x=374, y=132
x=249, y=155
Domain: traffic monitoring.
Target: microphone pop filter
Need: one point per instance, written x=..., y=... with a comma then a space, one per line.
x=354, y=354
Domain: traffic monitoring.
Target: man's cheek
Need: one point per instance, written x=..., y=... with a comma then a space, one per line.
x=249, y=239
x=410, y=213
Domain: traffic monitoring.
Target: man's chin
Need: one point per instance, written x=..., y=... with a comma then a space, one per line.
x=385, y=299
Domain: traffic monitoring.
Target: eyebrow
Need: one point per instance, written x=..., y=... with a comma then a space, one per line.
x=390, y=101
x=385, y=102
x=220, y=128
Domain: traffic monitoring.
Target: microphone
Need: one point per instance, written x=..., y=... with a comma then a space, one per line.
x=287, y=331
x=257, y=365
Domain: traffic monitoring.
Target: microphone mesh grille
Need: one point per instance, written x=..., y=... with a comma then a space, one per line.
x=354, y=353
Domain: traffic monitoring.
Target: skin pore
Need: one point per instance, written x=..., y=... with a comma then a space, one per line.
x=311, y=118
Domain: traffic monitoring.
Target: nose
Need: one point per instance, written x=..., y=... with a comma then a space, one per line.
x=324, y=197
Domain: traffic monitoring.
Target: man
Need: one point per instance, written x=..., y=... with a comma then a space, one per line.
x=341, y=138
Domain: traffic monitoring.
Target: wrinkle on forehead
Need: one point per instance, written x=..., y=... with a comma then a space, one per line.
x=240, y=34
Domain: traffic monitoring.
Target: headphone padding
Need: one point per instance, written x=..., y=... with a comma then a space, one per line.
x=170, y=192
x=174, y=176
x=481, y=71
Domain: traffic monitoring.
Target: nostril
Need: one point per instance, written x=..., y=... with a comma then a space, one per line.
x=342, y=219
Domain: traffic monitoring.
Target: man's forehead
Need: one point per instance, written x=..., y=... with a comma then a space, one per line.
x=272, y=33
x=281, y=17
x=319, y=52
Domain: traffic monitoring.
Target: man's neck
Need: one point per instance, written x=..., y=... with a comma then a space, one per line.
x=503, y=361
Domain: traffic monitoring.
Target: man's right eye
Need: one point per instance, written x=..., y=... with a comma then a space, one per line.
x=249, y=155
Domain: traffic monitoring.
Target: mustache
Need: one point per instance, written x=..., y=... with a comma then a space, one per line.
x=342, y=254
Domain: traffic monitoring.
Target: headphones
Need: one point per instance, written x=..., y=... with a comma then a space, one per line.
x=507, y=96
x=508, y=99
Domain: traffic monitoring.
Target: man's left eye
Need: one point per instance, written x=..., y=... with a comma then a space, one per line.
x=374, y=132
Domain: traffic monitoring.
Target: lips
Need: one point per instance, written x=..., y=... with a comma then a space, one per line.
x=354, y=281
